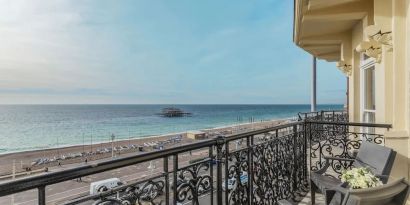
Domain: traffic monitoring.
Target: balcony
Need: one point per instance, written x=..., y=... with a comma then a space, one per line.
x=256, y=167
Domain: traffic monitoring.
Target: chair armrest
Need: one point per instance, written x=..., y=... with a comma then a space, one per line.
x=382, y=176
x=323, y=169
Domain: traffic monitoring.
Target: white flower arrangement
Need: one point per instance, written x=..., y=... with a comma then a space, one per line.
x=360, y=178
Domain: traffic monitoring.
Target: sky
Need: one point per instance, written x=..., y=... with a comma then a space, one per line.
x=161, y=52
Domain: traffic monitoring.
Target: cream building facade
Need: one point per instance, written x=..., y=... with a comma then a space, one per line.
x=370, y=42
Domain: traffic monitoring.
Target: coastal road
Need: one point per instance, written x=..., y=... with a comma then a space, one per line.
x=64, y=191
x=73, y=189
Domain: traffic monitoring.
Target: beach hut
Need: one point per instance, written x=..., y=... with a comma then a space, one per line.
x=196, y=135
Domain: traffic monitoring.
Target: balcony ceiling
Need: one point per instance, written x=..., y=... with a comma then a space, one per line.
x=322, y=26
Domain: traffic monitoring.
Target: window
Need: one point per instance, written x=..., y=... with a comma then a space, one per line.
x=368, y=93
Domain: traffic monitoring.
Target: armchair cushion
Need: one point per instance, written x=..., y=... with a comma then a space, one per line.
x=379, y=158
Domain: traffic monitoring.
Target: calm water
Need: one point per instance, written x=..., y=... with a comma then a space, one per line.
x=28, y=127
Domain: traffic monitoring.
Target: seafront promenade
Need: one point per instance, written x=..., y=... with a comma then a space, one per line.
x=77, y=188
x=26, y=163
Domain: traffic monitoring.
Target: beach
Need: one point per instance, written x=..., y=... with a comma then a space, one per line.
x=23, y=161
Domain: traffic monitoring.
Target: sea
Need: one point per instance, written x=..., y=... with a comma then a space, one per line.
x=31, y=127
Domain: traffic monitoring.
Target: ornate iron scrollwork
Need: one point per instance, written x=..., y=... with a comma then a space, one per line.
x=237, y=169
x=193, y=181
x=278, y=168
x=141, y=193
x=336, y=141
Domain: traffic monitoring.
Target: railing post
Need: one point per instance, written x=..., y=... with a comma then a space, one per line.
x=295, y=157
x=305, y=150
x=220, y=141
x=249, y=143
x=211, y=172
x=226, y=171
x=310, y=143
x=175, y=180
x=166, y=172
x=42, y=195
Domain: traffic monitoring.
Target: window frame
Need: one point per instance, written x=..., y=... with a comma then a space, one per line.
x=366, y=63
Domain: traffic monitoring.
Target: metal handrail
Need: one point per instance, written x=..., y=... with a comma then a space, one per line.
x=261, y=131
x=354, y=124
x=94, y=168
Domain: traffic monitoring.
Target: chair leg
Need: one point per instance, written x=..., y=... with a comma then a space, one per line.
x=312, y=192
x=329, y=194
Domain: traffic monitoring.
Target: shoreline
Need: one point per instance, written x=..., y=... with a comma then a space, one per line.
x=24, y=159
x=80, y=145
x=140, y=137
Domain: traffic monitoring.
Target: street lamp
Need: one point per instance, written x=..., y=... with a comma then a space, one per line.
x=151, y=166
x=112, y=145
x=237, y=144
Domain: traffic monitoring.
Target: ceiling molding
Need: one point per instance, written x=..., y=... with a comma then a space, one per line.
x=322, y=4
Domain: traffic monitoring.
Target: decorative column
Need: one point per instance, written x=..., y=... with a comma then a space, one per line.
x=313, y=96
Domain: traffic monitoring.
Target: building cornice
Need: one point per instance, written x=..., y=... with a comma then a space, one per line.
x=324, y=27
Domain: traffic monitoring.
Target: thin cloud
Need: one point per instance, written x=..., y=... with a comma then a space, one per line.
x=153, y=52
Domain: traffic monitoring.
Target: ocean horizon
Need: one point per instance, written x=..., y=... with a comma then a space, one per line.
x=26, y=127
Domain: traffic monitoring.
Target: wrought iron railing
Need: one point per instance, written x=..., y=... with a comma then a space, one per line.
x=257, y=167
x=329, y=116
x=340, y=139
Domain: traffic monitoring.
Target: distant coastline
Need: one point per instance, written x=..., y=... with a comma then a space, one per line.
x=47, y=127
x=147, y=137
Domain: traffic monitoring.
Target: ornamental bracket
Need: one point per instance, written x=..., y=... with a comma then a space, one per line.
x=377, y=41
x=345, y=68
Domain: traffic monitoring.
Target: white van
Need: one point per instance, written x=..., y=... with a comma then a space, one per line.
x=104, y=185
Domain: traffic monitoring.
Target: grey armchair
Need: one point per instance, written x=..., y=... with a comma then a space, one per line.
x=378, y=158
x=392, y=193
x=395, y=192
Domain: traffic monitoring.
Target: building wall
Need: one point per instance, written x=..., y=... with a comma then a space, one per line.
x=325, y=23
x=392, y=88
